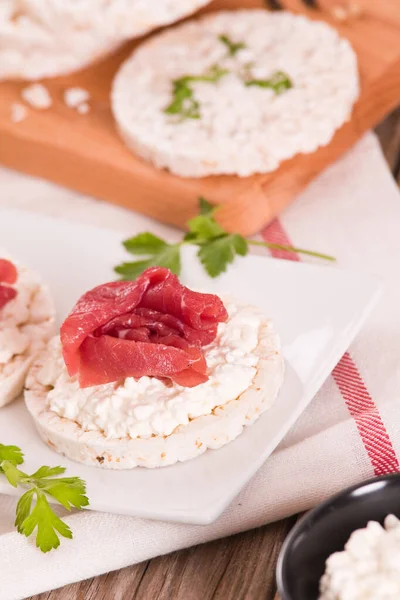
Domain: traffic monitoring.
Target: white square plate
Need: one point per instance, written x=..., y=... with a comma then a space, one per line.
x=317, y=312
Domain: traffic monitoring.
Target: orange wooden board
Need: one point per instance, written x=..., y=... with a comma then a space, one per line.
x=86, y=153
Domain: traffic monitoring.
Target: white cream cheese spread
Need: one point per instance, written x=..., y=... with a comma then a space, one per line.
x=369, y=566
x=147, y=407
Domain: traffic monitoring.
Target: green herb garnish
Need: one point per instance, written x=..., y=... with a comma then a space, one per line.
x=233, y=47
x=279, y=82
x=217, y=247
x=213, y=75
x=12, y=454
x=183, y=102
x=159, y=253
x=33, y=509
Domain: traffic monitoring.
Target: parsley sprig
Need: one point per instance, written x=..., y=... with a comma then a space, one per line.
x=33, y=509
x=232, y=47
x=279, y=82
x=183, y=103
x=217, y=247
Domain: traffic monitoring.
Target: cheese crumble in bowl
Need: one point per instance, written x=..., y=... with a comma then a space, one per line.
x=149, y=373
x=348, y=548
x=368, y=567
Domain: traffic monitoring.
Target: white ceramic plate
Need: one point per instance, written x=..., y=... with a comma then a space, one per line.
x=317, y=312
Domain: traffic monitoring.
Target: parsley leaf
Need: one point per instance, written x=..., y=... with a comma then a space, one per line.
x=157, y=252
x=204, y=227
x=44, y=519
x=279, y=82
x=13, y=454
x=13, y=474
x=47, y=472
x=24, y=509
x=131, y=270
x=214, y=74
x=183, y=102
x=233, y=47
x=240, y=244
x=217, y=247
x=205, y=207
x=145, y=243
x=219, y=253
x=70, y=492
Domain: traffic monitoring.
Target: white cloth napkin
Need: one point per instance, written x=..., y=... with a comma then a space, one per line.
x=351, y=430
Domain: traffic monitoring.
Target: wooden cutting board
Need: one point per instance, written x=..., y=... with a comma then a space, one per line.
x=86, y=154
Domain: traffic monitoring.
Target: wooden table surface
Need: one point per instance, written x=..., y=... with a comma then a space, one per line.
x=241, y=567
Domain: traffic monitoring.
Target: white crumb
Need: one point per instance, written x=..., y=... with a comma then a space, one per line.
x=355, y=9
x=19, y=112
x=75, y=96
x=340, y=13
x=83, y=108
x=343, y=13
x=37, y=96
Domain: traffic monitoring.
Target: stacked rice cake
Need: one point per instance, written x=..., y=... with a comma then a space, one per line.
x=46, y=38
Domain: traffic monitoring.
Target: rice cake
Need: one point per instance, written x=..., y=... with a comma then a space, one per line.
x=242, y=125
x=46, y=38
x=220, y=426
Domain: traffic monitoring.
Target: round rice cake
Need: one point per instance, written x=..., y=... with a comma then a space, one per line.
x=46, y=38
x=213, y=426
x=26, y=325
x=281, y=84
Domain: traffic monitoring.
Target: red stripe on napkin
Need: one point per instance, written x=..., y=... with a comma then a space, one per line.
x=366, y=415
x=359, y=402
x=275, y=234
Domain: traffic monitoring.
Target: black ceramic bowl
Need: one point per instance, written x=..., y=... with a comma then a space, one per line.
x=327, y=528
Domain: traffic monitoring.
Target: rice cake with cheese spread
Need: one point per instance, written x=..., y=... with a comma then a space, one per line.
x=27, y=322
x=236, y=92
x=144, y=422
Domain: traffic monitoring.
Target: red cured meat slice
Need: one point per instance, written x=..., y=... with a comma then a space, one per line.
x=8, y=275
x=200, y=311
x=160, y=324
x=107, y=359
x=8, y=272
x=6, y=295
x=153, y=326
x=94, y=309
